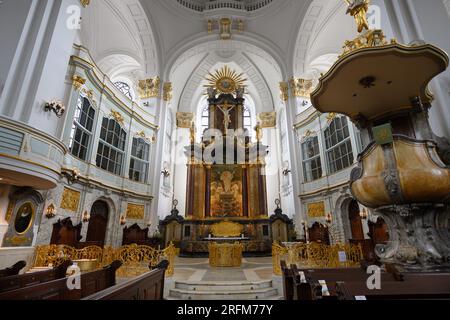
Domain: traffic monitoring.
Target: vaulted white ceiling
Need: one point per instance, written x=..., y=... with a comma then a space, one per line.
x=134, y=39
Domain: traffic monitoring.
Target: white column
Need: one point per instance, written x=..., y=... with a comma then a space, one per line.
x=296, y=164
x=415, y=20
x=4, y=202
x=39, y=65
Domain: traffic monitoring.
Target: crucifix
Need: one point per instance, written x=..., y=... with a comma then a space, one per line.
x=226, y=109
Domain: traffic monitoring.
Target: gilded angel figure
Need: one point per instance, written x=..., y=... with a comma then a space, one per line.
x=358, y=9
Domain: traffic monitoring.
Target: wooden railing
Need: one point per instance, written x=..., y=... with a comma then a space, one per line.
x=135, y=259
x=316, y=255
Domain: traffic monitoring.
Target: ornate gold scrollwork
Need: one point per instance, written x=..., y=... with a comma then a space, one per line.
x=135, y=259
x=70, y=200
x=225, y=254
x=227, y=229
x=317, y=255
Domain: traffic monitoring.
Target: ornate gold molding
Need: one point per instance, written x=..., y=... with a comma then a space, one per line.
x=167, y=91
x=184, y=119
x=301, y=87
x=284, y=91
x=70, y=200
x=118, y=117
x=78, y=82
x=371, y=38
x=227, y=229
x=268, y=119
x=85, y=3
x=149, y=88
x=316, y=210
x=135, y=211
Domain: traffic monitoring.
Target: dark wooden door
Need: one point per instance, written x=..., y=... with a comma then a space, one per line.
x=355, y=221
x=319, y=233
x=98, y=223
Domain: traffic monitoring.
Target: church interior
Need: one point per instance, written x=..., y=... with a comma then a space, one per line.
x=224, y=150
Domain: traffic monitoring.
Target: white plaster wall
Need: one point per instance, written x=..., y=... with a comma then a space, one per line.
x=13, y=14
x=10, y=256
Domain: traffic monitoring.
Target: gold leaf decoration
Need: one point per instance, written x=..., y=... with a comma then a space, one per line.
x=135, y=211
x=70, y=200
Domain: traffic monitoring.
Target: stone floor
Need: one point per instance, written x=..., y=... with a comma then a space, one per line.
x=198, y=269
x=195, y=279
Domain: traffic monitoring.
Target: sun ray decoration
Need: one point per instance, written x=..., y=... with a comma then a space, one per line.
x=225, y=80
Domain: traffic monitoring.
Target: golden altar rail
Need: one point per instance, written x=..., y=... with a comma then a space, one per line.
x=135, y=258
x=316, y=255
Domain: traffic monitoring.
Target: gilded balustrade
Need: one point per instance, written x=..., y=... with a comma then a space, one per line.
x=316, y=255
x=135, y=259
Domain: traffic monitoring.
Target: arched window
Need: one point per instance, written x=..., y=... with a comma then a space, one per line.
x=204, y=121
x=111, y=146
x=247, y=119
x=312, y=165
x=81, y=133
x=125, y=89
x=338, y=145
x=139, y=160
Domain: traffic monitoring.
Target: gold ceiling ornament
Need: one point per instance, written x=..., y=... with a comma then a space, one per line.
x=268, y=119
x=149, y=88
x=284, y=91
x=301, y=88
x=227, y=229
x=135, y=211
x=85, y=3
x=184, y=119
x=358, y=10
x=225, y=80
x=118, y=117
x=70, y=200
x=167, y=91
x=78, y=82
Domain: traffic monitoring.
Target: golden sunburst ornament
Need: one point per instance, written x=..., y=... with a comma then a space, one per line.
x=225, y=80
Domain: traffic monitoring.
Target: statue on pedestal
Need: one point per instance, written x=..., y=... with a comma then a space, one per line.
x=358, y=9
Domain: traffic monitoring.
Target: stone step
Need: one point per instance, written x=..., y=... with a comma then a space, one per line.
x=258, y=294
x=223, y=286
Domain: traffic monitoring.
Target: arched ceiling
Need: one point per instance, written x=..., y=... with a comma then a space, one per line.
x=117, y=31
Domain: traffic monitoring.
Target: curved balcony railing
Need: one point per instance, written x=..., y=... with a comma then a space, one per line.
x=200, y=6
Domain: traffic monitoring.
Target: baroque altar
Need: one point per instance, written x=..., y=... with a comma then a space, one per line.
x=226, y=172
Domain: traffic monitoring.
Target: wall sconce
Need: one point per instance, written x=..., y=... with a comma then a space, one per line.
x=364, y=214
x=86, y=216
x=123, y=220
x=72, y=175
x=51, y=211
x=56, y=106
x=286, y=172
x=329, y=218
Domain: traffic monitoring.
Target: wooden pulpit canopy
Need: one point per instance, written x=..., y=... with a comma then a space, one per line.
x=374, y=82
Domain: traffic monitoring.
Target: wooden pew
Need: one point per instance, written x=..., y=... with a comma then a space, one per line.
x=288, y=281
x=149, y=286
x=346, y=284
x=13, y=270
x=30, y=279
x=415, y=286
x=91, y=282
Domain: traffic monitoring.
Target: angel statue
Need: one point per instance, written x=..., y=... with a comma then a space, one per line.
x=358, y=9
x=193, y=132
